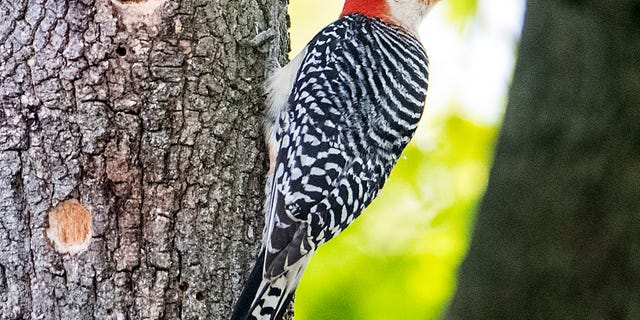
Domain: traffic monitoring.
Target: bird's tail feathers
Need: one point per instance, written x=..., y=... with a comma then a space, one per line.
x=243, y=305
x=267, y=299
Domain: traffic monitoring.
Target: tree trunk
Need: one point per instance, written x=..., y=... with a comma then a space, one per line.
x=558, y=232
x=131, y=155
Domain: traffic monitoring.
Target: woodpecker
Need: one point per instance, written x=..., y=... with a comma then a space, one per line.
x=339, y=116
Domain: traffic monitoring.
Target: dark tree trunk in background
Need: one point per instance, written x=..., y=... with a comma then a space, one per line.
x=149, y=115
x=558, y=232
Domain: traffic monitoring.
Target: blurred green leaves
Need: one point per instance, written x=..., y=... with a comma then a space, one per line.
x=461, y=11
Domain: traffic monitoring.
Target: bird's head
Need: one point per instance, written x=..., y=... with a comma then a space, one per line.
x=406, y=13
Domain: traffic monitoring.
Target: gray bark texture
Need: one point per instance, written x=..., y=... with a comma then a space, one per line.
x=149, y=114
x=558, y=232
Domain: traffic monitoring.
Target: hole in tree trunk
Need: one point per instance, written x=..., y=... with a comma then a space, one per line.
x=121, y=51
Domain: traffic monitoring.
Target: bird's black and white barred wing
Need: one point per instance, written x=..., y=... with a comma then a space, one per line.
x=355, y=103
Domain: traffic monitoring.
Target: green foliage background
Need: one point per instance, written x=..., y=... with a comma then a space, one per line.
x=399, y=259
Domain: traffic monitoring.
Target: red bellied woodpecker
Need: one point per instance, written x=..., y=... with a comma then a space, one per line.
x=340, y=114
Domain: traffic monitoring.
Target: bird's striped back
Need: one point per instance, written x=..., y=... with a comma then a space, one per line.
x=357, y=100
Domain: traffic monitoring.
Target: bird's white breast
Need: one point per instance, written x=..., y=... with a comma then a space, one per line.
x=279, y=87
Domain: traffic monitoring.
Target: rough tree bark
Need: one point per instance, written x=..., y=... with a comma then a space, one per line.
x=558, y=232
x=149, y=115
